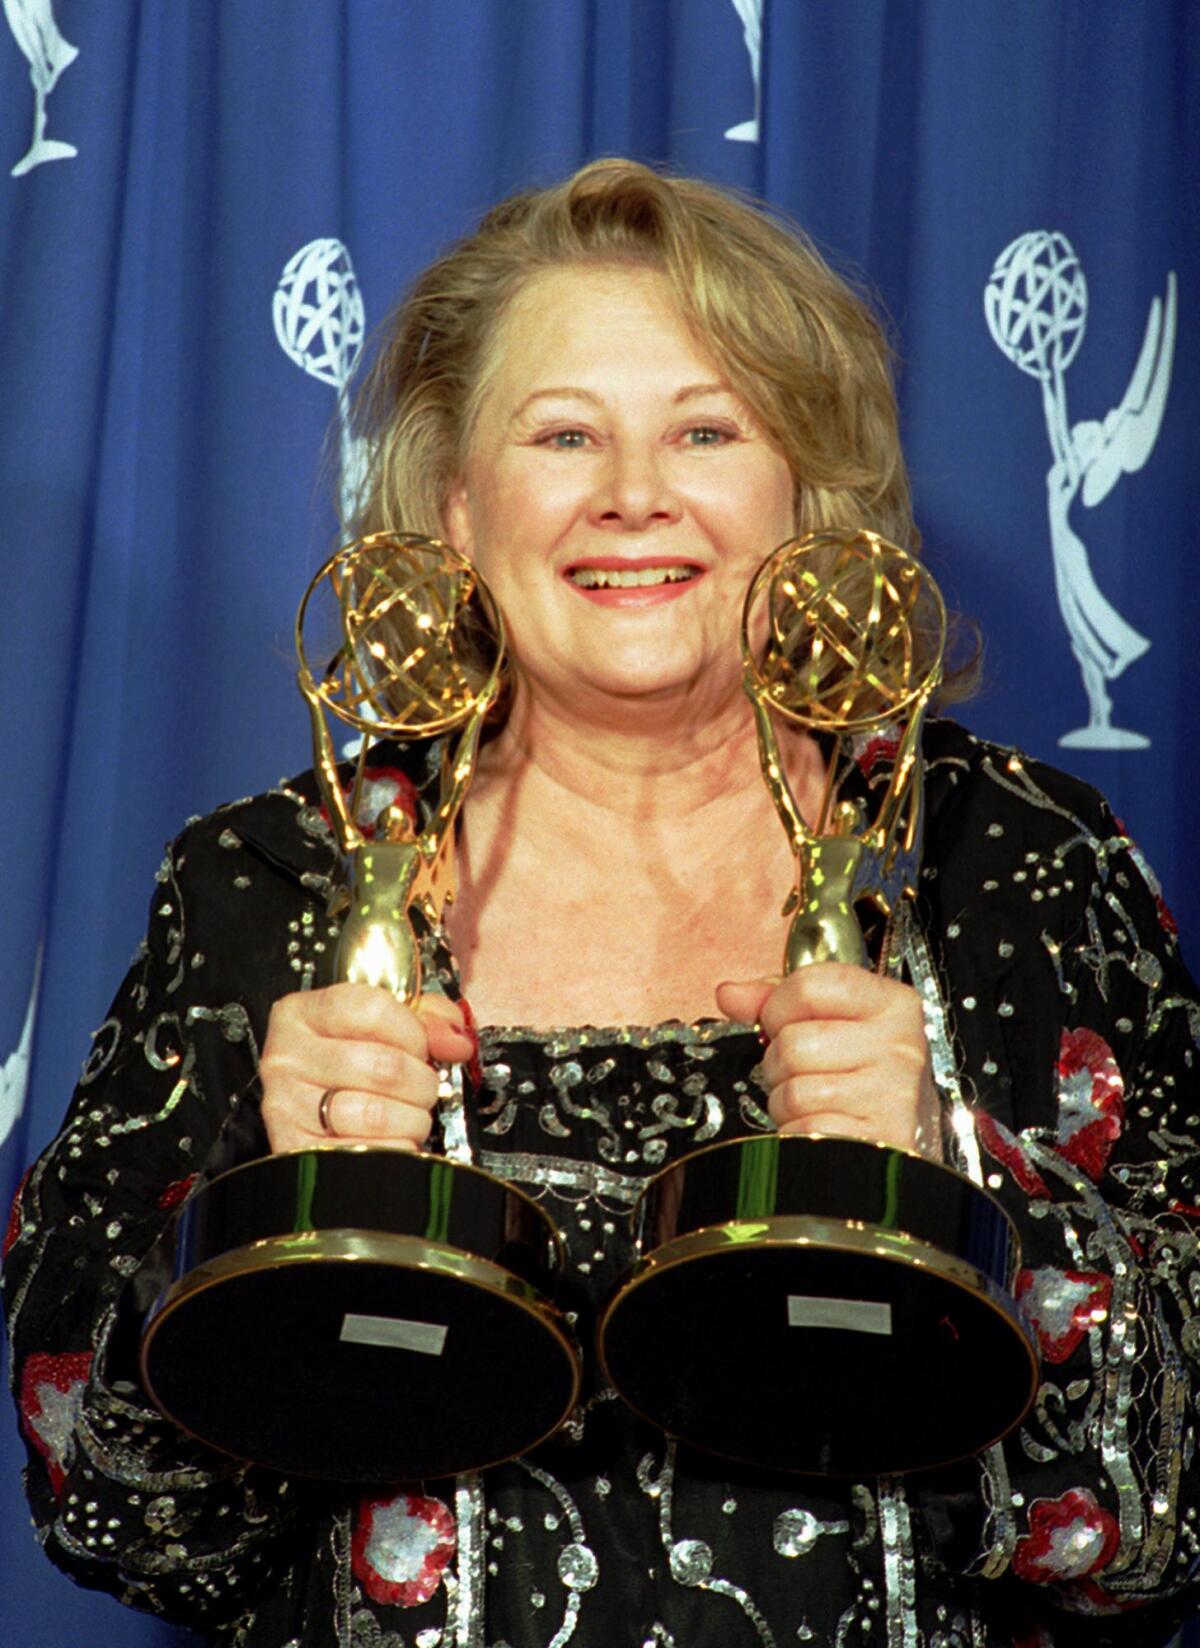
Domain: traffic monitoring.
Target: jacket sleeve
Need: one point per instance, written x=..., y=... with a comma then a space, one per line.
x=122, y=1500
x=1088, y=1512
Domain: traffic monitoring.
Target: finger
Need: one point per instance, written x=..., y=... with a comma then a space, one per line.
x=371, y=1117
x=450, y=1042
x=828, y=990
x=837, y=1124
x=819, y=1046
x=741, y=1000
x=792, y=1101
x=362, y=1012
x=809, y=1101
x=368, y=1067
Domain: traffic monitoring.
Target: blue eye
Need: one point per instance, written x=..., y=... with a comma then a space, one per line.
x=567, y=440
x=706, y=435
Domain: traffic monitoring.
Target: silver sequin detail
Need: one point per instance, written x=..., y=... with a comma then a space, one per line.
x=797, y=1531
x=553, y=1172
x=452, y=1113
x=578, y=1557
x=899, y=1565
x=466, y=1611
x=578, y=1568
x=691, y=1561
x=914, y=950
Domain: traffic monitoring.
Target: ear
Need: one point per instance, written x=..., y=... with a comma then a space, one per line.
x=460, y=532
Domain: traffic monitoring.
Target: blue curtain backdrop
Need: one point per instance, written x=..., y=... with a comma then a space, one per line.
x=204, y=202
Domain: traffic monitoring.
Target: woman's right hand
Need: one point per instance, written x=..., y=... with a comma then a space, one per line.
x=368, y=1050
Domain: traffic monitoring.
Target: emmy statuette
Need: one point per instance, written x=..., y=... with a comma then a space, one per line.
x=840, y=1307
x=362, y=1314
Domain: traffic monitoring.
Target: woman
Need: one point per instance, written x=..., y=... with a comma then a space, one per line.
x=616, y=397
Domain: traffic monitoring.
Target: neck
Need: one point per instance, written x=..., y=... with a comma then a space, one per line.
x=637, y=762
x=639, y=789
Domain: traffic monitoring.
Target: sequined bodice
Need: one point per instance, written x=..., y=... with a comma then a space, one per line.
x=610, y=1533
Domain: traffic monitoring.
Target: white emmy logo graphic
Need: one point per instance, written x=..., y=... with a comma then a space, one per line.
x=319, y=322
x=1036, y=307
x=751, y=14
x=35, y=31
x=14, y=1072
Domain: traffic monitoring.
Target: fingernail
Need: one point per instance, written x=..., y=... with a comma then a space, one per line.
x=472, y=1029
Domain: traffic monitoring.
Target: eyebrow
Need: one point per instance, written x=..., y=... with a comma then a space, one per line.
x=691, y=391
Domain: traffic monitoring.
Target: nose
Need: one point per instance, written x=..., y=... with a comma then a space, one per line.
x=633, y=491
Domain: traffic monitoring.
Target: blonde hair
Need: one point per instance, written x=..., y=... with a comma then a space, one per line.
x=802, y=349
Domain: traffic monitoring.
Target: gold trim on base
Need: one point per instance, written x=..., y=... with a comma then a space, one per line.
x=362, y=1246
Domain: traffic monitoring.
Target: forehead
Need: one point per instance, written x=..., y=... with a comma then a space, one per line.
x=583, y=326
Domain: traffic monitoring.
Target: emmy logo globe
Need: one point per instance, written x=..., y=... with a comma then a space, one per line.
x=318, y=312
x=1036, y=303
x=320, y=323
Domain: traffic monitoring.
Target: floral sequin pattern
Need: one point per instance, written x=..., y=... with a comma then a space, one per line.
x=1004, y=1147
x=586, y=1116
x=381, y=788
x=1069, y=1538
x=401, y=1547
x=1091, y=1100
x=666, y=1106
x=51, y=1398
x=1062, y=1305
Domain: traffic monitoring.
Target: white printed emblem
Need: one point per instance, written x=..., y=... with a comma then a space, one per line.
x=319, y=322
x=37, y=34
x=394, y=1332
x=14, y=1073
x=1035, y=302
x=751, y=14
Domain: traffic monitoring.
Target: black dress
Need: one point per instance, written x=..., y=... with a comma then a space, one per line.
x=1064, y=1032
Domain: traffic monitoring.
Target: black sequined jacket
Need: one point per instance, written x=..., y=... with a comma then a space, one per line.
x=1064, y=1031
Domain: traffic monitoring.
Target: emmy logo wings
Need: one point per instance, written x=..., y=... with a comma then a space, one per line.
x=1035, y=303
x=751, y=14
x=14, y=1072
x=37, y=34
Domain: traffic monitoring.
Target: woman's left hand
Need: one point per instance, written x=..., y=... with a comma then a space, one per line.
x=847, y=1054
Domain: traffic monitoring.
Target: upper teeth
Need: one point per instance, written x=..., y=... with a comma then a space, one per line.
x=629, y=577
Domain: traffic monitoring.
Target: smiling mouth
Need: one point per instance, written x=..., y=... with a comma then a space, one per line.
x=630, y=577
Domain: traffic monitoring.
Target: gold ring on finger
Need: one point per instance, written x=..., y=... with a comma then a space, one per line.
x=323, y=1111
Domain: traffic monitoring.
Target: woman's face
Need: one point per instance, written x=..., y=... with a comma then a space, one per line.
x=617, y=495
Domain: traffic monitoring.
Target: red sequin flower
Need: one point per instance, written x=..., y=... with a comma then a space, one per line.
x=874, y=748
x=401, y=1547
x=51, y=1397
x=1062, y=1305
x=382, y=787
x=1091, y=1100
x=1069, y=1538
x=1005, y=1148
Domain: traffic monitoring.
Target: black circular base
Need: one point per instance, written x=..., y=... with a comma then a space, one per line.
x=362, y=1316
x=778, y=1356
x=439, y=1374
